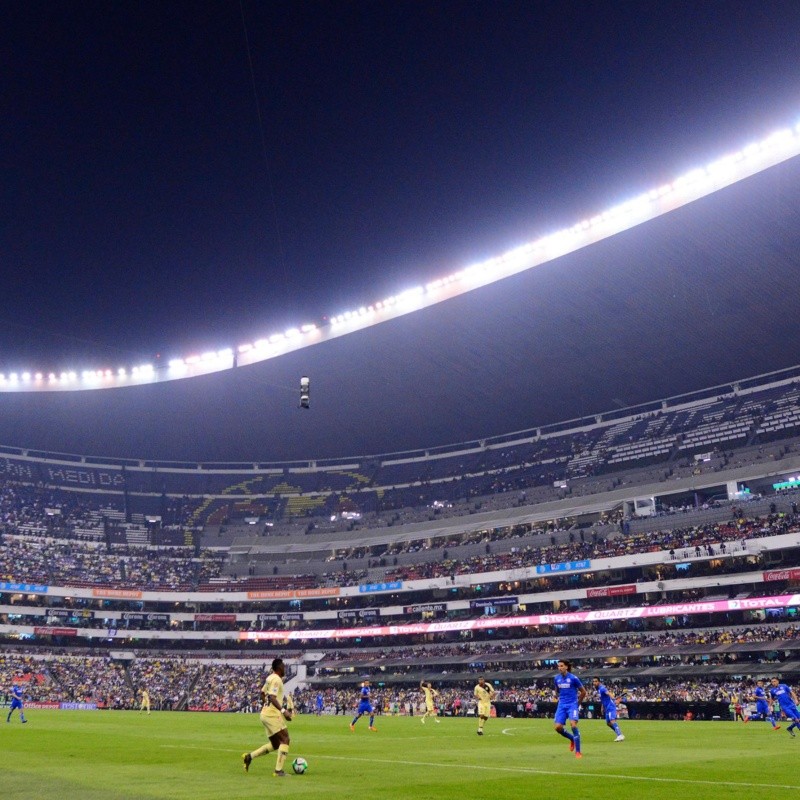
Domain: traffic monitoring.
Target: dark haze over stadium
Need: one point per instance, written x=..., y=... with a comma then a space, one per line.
x=141, y=221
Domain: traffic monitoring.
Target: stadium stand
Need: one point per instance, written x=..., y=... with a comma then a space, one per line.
x=188, y=578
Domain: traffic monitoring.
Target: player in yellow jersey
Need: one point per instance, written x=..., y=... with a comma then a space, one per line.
x=484, y=692
x=430, y=693
x=274, y=718
x=145, y=706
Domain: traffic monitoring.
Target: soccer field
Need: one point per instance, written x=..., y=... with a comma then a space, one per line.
x=86, y=755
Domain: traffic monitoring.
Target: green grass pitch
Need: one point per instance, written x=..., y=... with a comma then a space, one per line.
x=71, y=755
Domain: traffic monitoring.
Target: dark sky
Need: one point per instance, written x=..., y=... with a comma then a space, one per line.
x=147, y=210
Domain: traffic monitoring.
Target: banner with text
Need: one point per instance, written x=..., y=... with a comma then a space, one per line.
x=612, y=591
x=380, y=587
x=293, y=594
x=359, y=613
x=532, y=620
x=566, y=566
x=24, y=588
x=425, y=608
x=782, y=575
x=494, y=602
x=117, y=594
x=47, y=631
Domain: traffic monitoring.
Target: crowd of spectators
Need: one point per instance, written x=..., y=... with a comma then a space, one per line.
x=549, y=644
x=228, y=687
x=695, y=542
x=458, y=700
x=218, y=685
x=59, y=562
x=166, y=680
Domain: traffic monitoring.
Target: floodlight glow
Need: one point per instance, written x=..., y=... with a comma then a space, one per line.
x=779, y=146
x=723, y=166
x=751, y=151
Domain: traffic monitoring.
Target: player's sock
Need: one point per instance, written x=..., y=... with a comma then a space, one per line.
x=617, y=730
x=576, y=737
x=563, y=732
x=22, y=717
x=355, y=719
x=262, y=751
x=372, y=721
x=283, y=751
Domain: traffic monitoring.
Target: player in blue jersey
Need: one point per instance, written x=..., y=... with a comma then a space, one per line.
x=570, y=696
x=320, y=702
x=16, y=703
x=364, y=707
x=787, y=700
x=763, y=710
x=609, y=708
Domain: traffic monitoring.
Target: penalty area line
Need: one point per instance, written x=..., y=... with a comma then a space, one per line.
x=581, y=774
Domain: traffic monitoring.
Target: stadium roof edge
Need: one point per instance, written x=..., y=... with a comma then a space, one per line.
x=739, y=387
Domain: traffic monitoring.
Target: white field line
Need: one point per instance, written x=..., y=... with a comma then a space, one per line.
x=525, y=770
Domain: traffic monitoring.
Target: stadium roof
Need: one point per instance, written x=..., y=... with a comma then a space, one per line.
x=703, y=295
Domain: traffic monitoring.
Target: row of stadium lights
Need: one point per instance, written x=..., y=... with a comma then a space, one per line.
x=492, y=269
x=98, y=376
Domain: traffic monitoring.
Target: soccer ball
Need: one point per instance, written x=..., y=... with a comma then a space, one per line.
x=299, y=766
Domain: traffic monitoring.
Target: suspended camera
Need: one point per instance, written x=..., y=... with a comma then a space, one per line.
x=305, y=392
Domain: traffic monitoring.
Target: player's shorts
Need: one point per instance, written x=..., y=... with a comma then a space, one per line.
x=430, y=707
x=610, y=713
x=365, y=707
x=567, y=711
x=791, y=711
x=16, y=704
x=763, y=709
x=273, y=723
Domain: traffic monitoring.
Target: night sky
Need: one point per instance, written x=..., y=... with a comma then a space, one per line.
x=185, y=176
